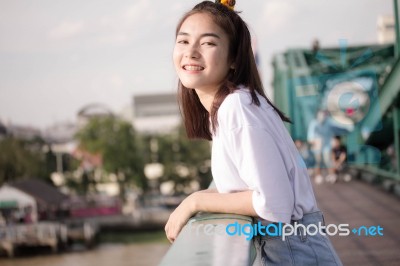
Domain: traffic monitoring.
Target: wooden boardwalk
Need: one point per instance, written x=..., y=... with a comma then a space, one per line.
x=360, y=204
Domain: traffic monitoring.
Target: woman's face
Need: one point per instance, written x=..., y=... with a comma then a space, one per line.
x=201, y=53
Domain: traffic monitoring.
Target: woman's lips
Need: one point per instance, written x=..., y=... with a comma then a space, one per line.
x=193, y=67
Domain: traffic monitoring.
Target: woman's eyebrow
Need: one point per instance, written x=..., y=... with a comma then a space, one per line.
x=202, y=35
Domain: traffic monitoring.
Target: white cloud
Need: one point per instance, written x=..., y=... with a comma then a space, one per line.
x=121, y=28
x=277, y=14
x=116, y=81
x=138, y=11
x=119, y=38
x=66, y=30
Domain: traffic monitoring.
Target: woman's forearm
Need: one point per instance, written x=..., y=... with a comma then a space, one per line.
x=208, y=201
x=236, y=202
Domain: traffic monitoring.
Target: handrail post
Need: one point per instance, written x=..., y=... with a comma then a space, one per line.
x=397, y=29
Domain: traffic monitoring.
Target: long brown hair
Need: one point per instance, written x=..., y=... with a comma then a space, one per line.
x=195, y=117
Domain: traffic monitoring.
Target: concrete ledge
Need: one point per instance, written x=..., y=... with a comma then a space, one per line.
x=354, y=172
x=369, y=177
x=389, y=181
x=388, y=185
x=396, y=190
x=200, y=244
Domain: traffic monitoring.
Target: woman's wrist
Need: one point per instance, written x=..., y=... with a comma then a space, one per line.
x=195, y=202
x=190, y=204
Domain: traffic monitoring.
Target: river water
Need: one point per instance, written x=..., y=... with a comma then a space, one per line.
x=106, y=254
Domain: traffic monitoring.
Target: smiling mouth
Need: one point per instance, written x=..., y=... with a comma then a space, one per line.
x=193, y=68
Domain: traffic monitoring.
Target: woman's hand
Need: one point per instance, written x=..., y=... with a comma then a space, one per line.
x=179, y=217
x=209, y=200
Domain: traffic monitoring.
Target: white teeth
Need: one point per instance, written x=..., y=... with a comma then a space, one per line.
x=193, y=68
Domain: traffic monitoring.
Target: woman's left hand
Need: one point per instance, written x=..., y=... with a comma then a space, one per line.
x=179, y=218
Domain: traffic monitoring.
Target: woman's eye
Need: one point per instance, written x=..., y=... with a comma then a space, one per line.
x=209, y=43
x=182, y=42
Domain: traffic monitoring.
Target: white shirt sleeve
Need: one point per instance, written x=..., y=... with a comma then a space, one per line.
x=260, y=163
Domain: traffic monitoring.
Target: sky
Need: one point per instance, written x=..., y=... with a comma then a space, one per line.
x=58, y=56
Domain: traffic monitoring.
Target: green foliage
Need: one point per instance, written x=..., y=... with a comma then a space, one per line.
x=19, y=158
x=118, y=145
x=178, y=154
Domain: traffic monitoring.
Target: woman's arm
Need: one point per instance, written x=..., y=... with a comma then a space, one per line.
x=237, y=202
x=342, y=157
x=209, y=190
x=208, y=201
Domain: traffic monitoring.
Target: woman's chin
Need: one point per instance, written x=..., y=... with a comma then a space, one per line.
x=189, y=85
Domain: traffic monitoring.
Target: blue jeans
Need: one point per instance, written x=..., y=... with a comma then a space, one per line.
x=300, y=249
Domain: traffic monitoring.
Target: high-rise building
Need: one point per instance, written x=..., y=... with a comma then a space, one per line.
x=386, y=29
x=156, y=113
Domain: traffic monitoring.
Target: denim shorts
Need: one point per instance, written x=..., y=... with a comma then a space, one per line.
x=300, y=248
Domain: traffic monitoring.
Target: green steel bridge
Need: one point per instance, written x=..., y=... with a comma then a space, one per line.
x=357, y=86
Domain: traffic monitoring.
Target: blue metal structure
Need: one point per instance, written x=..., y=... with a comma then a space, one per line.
x=357, y=86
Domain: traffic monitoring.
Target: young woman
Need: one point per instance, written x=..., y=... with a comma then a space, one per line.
x=256, y=168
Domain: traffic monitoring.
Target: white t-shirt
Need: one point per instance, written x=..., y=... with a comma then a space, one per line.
x=252, y=150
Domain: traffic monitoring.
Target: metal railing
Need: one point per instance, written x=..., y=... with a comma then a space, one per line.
x=204, y=241
x=38, y=234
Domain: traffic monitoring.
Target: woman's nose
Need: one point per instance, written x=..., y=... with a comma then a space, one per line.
x=192, y=52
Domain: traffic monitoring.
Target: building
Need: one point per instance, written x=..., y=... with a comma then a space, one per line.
x=92, y=111
x=61, y=132
x=50, y=202
x=156, y=113
x=13, y=203
x=24, y=132
x=386, y=29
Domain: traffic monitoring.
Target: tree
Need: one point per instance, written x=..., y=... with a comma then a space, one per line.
x=118, y=144
x=184, y=160
x=19, y=158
